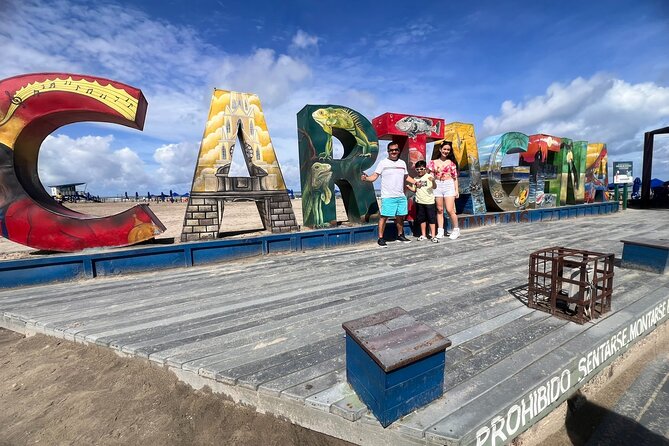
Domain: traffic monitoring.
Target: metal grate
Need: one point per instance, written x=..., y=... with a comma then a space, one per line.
x=573, y=284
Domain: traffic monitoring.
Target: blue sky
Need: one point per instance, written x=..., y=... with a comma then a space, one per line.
x=586, y=70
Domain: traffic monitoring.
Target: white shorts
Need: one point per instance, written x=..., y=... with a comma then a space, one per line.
x=445, y=188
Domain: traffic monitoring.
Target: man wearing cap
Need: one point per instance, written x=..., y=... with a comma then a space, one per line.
x=394, y=174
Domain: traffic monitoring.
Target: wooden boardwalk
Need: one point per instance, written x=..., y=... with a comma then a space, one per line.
x=267, y=331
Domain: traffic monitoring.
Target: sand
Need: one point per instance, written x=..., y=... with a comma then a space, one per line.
x=236, y=217
x=58, y=392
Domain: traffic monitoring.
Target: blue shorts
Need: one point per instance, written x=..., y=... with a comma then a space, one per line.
x=394, y=206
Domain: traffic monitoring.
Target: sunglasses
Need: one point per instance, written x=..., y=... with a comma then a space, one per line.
x=393, y=150
x=420, y=168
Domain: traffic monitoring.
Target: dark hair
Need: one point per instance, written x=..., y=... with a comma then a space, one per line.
x=420, y=163
x=392, y=143
x=451, y=154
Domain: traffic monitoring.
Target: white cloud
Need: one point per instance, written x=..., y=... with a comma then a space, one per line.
x=273, y=77
x=92, y=160
x=110, y=171
x=176, y=166
x=303, y=40
x=599, y=109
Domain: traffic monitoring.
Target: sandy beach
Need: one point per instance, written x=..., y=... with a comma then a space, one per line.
x=236, y=217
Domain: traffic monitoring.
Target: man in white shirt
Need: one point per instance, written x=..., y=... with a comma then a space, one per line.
x=394, y=174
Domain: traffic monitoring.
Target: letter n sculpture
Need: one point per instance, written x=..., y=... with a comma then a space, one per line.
x=236, y=117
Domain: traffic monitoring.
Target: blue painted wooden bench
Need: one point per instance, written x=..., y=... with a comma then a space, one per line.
x=646, y=254
x=394, y=363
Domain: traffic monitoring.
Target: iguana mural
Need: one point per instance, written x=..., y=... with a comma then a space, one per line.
x=320, y=172
x=317, y=191
x=339, y=118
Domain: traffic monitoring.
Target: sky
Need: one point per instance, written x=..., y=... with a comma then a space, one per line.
x=595, y=71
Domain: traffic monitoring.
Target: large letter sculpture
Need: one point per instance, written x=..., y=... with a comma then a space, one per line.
x=544, y=157
x=572, y=190
x=234, y=116
x=596, y=173
x=319, y=171
x=465, y=149
x=506, y=187
x=411, y=133
x=33, y=106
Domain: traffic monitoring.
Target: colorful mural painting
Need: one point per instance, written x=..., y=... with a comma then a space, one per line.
x=572, y=175
x=320, y=171
x=506, y=187
x=465, y=149
x=411, y=133
x=33, y=107
x=543, y=155
x=236, y=117
x=596, y=173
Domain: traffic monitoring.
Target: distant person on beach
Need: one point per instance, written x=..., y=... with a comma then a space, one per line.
x=394, y=175
x=445, y=171
x=426, y=209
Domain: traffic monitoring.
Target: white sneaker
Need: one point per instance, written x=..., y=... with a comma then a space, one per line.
x=440, y=233
x=434, y=240
x=422, y=239
x=455, y=234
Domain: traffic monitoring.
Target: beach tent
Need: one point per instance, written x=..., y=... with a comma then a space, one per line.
x=656, y=182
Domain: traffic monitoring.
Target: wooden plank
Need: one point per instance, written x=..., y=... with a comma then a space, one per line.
x=349, y=407
x=501, y=334
x=305, y=389
x=204, y=357
x=489, y=325
x=114, y=334
x=500, y=348
x=323, y=400
x=252, y=305
x=278, y=385
x=251, y=375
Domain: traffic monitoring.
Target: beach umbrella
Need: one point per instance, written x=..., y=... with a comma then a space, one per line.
x=126, y=196
x=137, y=196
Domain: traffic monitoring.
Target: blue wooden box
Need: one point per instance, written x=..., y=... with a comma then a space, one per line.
x=394, y=363
x=646, y=254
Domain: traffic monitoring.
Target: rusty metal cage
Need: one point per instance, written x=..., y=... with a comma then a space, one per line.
x=573, y=284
